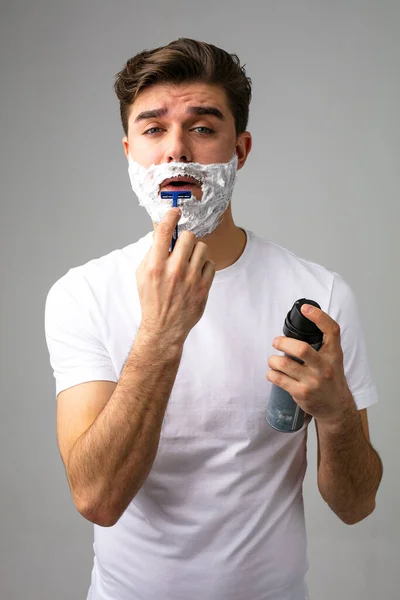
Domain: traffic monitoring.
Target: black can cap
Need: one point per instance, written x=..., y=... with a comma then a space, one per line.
x=298, y=326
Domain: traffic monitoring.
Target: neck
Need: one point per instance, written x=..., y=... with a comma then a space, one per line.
x=226, y=243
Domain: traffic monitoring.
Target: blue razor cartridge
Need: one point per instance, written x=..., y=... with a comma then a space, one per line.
x=175, y=196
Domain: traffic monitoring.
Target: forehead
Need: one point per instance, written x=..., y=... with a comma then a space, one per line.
x=175, y=97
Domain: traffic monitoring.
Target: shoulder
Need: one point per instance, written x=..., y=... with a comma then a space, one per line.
x=103, y=271
x=284, y=263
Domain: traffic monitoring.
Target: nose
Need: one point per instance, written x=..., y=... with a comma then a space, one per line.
x=177, y=149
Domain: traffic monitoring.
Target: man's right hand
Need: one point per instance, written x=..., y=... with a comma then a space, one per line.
x=173, y=286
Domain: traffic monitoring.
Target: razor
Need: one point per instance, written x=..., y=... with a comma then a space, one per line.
x=175, y=196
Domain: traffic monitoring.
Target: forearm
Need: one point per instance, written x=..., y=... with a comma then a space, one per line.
x=111, y=460
x=350, y=470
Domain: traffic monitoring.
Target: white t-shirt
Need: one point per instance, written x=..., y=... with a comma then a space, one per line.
x=220, y=516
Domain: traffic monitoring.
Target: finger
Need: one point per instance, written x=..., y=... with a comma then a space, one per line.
x=198, y=256
x=323, y=321
x=162, y=236
x=184, y=248
x=286, y=365
x=284, y=381
x=208, y=272
x=298, y=349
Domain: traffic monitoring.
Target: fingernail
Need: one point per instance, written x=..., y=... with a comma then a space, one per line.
x=307, y=308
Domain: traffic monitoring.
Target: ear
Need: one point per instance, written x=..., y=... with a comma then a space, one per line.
x=125, y=144
x=243, y=146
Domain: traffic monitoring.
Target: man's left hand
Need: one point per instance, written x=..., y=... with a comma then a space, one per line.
x=319, y=385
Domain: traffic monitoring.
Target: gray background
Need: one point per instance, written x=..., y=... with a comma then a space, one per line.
x=322, y=180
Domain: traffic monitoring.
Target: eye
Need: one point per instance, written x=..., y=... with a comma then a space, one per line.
x=205, y=130
x=208, y=130
x=151, y=129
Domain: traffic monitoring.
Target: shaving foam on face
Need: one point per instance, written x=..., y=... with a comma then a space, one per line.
x=216, y=180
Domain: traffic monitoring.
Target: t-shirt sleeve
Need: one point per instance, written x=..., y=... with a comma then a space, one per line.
x=76, y=351
x=344, y=310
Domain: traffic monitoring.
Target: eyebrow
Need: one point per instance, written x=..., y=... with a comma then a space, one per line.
x=194, y=110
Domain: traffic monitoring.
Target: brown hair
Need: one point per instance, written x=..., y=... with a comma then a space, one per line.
x=185, y=60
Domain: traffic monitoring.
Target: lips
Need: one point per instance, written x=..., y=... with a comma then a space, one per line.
x=183, y=182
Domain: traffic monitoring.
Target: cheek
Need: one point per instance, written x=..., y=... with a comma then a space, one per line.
x=143, y=154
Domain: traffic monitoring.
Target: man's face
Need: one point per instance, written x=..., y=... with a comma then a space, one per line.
x=166, y=124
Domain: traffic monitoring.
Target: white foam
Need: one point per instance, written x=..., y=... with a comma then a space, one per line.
x=200, y=216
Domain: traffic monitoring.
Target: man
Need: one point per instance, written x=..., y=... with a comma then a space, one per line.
x=162, y=377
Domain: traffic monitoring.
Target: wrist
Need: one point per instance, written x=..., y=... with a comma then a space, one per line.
x=169, y=345
x=342, y=418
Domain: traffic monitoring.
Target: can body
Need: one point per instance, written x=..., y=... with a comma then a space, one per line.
x=283, y=413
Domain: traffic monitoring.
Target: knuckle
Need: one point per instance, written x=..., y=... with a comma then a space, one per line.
x=336, y=329
x=193, y=279
x=202, y=246
x=176, y=275
x=204, y=287
x=286, y=362
x=187, y=235
x=329, y=372
x=163, y=228
x=155, y=270
x=200, y=299
x=304, y=391
x=278, y=378
x=303, y=351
